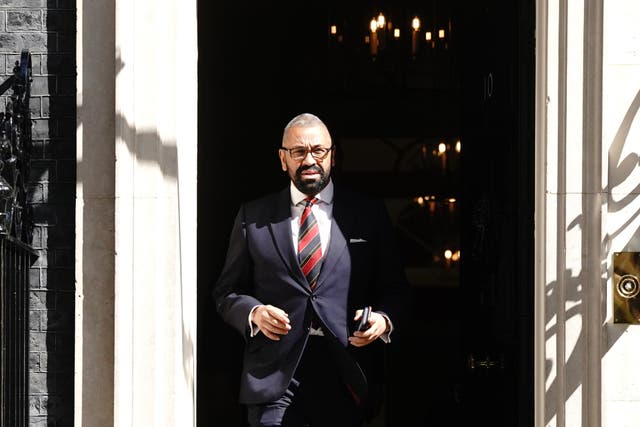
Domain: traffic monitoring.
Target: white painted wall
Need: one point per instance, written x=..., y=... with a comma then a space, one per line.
x=621, y=141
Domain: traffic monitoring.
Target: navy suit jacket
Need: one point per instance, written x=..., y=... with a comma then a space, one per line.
x=360, y=268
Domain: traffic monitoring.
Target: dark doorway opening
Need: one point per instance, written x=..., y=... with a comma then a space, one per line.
x=468, y=356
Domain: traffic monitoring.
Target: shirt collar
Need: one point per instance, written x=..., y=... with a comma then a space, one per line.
x=325, y=196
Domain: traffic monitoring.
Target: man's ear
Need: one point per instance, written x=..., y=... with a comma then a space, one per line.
x=283, y=163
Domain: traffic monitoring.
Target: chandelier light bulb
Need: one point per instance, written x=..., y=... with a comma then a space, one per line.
x=415, y=23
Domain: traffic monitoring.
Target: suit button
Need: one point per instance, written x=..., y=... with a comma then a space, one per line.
x=314, y=297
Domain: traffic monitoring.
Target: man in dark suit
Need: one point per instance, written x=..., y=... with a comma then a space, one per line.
x=301, y=265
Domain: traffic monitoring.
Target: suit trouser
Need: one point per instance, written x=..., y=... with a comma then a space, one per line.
x=317, y=395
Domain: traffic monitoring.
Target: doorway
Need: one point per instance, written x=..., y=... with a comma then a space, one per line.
x=463, y=212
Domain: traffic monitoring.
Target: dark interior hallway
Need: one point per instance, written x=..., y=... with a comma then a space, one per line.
x=469, y=350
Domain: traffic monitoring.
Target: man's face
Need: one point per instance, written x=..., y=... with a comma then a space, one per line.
x=309, y=174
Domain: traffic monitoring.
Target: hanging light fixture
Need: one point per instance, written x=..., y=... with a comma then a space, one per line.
x=373, y=41
x=415, y=24
x=384, y=35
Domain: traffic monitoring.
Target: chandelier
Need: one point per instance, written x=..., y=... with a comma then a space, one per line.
x=386, y=34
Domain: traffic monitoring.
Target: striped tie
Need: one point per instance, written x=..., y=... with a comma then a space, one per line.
x=309, y=247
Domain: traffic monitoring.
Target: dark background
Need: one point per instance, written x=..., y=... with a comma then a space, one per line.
x=469, y=353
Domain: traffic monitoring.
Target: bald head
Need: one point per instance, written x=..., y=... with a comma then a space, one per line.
x=305, y=120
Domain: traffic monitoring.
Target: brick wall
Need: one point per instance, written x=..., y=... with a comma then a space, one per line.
x=47, y=29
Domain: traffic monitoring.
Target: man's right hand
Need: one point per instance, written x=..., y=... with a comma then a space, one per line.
x=271, y=320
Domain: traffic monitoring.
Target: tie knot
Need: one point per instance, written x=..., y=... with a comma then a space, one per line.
x=310, y=200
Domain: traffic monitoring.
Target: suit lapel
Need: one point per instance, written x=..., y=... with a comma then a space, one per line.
x=281, y=232
x=340, y=224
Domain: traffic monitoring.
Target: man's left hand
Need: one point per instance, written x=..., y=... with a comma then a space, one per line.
x=377, y=326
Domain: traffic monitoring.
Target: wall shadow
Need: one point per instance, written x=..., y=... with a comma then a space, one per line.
x=570, y=287
x=52, y=197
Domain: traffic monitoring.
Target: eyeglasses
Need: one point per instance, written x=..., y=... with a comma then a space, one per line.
x=299, y=153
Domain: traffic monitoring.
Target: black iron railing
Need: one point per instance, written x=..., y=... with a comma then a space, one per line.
x=15, y=152
x=15, y=260
x=16, y=256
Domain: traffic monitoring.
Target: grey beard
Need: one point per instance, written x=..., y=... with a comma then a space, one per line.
x=311, y=187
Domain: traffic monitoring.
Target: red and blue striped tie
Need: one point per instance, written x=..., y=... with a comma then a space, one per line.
x=309, y=247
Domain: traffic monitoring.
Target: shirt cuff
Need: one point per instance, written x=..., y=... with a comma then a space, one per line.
x=253, y=328
x=386, y=337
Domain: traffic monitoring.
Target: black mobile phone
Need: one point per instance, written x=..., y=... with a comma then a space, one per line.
x=363, y=324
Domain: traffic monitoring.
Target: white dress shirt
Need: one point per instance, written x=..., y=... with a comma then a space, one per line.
x=322, y=210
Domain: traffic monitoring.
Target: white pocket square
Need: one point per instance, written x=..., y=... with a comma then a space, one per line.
x=357, y=241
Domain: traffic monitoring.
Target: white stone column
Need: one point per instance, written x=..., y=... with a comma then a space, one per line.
x=155, y=213
x=94, y=253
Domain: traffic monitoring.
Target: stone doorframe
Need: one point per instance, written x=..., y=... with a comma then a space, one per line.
x=587, y=95
x=568, y=168
x=136, y=213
